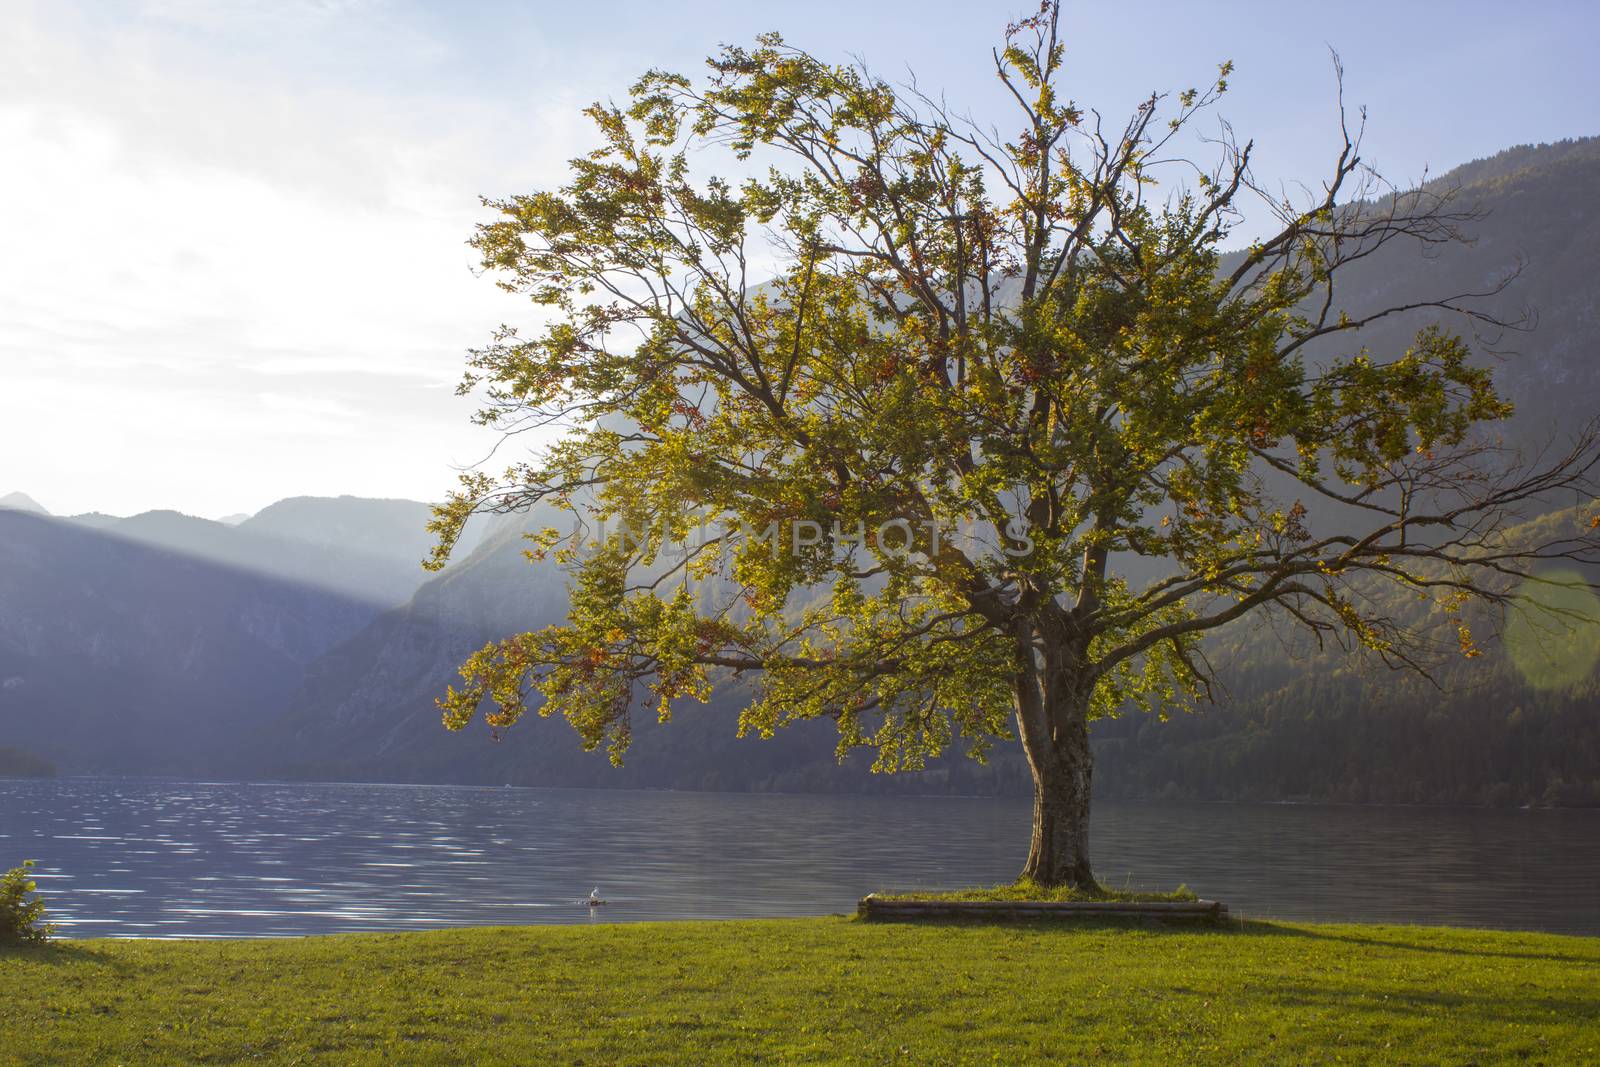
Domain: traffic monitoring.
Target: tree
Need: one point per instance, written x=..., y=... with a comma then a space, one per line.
x=1001, y=434
x=21, y=909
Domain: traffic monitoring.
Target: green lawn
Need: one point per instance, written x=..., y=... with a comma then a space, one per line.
x=813, y=990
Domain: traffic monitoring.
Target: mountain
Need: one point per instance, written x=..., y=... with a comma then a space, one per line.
x=164, y=643
x=121, y=655
x=21, y=502
x=368, y=549
x=1542, y=222
x=97, y=520
x=1516, y=725
x=391, y=529
x=366, y=709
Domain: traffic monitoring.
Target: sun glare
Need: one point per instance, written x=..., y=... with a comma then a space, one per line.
x=1553, y=633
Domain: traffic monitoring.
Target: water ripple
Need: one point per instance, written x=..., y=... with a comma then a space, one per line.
x=143, y=858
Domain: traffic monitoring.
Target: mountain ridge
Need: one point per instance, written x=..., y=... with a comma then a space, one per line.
x=166, y=643
x=20, y=501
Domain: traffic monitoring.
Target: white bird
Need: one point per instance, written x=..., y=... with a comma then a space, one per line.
x=594, y=897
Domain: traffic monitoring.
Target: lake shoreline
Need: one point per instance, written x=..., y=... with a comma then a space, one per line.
x=887, y=794
x=1234, y=921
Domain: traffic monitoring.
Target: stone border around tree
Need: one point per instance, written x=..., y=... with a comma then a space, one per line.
x=873, y=906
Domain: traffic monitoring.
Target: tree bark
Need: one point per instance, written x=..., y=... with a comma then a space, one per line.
x=1052, y=719
x=1058, y=853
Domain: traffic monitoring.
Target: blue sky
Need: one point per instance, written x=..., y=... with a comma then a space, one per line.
x=234, y=264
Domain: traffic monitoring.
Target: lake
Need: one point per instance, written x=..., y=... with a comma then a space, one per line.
x=155, y=858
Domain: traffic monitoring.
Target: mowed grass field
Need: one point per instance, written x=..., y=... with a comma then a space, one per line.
x=813, y=991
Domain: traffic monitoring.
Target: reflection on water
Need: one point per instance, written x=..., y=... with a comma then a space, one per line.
x=139, y=858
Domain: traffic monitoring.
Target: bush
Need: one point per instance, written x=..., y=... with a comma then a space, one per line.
x=21, y=918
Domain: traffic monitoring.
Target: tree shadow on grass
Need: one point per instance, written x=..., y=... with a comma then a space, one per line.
x=57, y=954
x=1382, y=999
x=1407, y=941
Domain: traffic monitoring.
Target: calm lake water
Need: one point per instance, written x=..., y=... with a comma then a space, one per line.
x=140, y=858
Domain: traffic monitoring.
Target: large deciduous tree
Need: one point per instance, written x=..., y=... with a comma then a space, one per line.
x=941, y=432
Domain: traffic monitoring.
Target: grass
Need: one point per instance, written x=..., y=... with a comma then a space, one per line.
x=813, y=991
x=1028, y=889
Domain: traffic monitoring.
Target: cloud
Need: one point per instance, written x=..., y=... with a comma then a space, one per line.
x=250, y=267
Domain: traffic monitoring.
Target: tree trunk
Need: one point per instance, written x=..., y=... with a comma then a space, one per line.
x=1052, y=720
x=1058, y=853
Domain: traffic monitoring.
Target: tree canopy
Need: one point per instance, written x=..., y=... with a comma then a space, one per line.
x=948, y=434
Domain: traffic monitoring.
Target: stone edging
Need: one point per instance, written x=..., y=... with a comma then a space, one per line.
x=873, y=906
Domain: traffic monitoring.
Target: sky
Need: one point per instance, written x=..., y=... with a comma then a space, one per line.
x=233, y=261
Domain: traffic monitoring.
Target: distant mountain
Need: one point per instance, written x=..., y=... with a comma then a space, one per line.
x=98, y=520
x=366, y=709
x=1523, y=159
x=371, y=549
x=118, y=654
x=21, y=502
x=1542, y=220
x=389, y=528
x=367, y=549
x=164, y=643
